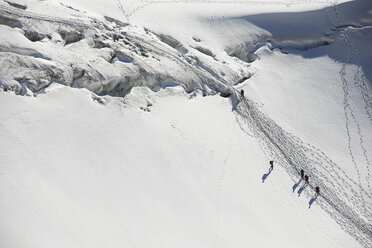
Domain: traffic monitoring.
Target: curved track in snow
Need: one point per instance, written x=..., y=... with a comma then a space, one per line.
x=345, y=199
x=353, y=127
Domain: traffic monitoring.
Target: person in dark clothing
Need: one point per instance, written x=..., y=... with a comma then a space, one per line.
x=302, y=173
x=306, y=179
x=317, y=190
x=271, y=165
x=242, y=93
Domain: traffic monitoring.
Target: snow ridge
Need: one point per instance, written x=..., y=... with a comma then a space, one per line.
x=27, y=14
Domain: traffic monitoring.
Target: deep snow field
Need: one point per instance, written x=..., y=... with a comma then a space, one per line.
x=122, y=123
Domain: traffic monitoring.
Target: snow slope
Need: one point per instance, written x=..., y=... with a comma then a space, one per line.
x=77, y=173
x=161, y=165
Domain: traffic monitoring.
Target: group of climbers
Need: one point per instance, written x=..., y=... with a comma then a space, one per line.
x=303, y=176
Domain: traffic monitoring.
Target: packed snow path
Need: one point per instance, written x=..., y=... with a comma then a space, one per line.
x=337, y=188
x=342, y=197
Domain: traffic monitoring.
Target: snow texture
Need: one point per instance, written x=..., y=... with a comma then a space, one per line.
x=122, y=123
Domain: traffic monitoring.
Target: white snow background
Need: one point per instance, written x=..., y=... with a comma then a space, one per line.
x=122, y=123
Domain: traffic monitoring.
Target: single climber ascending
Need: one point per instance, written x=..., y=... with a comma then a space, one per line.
x=306, y=179
x=302, y=173
x=317, y=190
x=242, y=93
x=271, y=165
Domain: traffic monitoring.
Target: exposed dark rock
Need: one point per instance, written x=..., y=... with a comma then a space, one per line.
x=205, y=51
x=34, y=36
x=71, y=36
x=196, y=39
x=4, y=20
x=16, y=5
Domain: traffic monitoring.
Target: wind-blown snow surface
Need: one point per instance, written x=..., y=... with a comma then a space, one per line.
x=164, y=166
x=76, y=173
